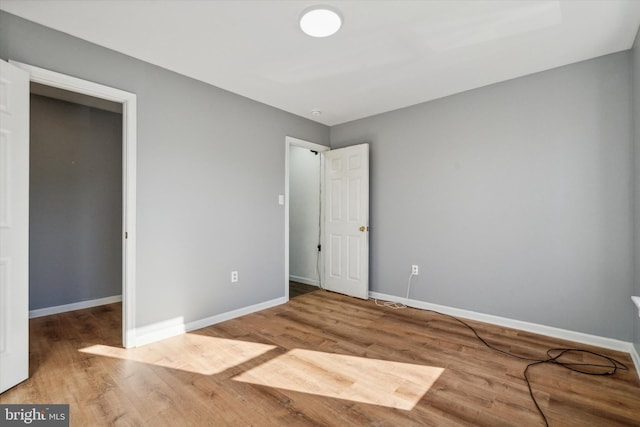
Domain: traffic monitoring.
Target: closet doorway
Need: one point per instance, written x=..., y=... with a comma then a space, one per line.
x=304, y=216
x=80, y=91
x=75, y=201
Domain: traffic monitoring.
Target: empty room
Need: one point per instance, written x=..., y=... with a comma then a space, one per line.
x=273, y=213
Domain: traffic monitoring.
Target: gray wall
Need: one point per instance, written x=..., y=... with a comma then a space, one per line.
x=636, y=192
x=75, y=206
x=304, y=211
x=210, y=168
x=514, y=199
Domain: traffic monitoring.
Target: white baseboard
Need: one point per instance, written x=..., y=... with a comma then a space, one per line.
x=304, y=280
x=202, y=323
x=158, y=331
x=40, y=312
x=595, y=340
x=636, y=358
x=172, y=327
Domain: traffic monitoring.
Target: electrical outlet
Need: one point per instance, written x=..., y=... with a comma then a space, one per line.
x=414, y=270
x=234, y=276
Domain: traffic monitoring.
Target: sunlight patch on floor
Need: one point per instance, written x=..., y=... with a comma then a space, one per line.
x=372, y=381
x=189, y=352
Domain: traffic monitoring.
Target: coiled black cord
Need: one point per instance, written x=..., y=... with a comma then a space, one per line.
x=609, y=365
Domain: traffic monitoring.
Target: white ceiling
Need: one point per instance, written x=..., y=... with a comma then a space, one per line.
x=388, y=54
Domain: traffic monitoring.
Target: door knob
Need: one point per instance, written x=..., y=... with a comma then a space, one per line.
x=363, y=228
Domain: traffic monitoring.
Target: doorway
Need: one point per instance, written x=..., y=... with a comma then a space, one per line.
x=127, y=102
x=75, y=201
x=343, y=252
x=305, y=169
x=303, y=212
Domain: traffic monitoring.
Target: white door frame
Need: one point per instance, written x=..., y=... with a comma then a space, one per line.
x=129, y=120
x=293, y=142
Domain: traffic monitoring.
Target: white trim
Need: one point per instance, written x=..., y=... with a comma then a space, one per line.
x=304, y=280
x=636, y=359
x=290, y=141
x=173, y=327
x=203, y=323
x=47, y=311
x=159, y=331
x=580, y=337
x=129, y=144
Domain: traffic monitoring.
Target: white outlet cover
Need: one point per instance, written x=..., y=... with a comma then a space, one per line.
x=281, y=199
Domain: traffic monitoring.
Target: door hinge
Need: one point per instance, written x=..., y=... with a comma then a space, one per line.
x=319, y=248
x=126, y=235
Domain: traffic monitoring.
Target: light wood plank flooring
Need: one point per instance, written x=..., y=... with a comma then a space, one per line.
x=321, y=360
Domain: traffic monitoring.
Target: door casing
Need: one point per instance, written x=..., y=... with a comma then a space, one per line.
x=129, y=150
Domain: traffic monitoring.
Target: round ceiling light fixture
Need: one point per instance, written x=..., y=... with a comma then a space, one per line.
x=320, y=21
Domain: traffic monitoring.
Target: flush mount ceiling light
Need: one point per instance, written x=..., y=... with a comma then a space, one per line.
x=320, y=21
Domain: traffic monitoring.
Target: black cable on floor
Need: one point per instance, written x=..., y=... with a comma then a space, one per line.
x=610, y=368
x=609, y=365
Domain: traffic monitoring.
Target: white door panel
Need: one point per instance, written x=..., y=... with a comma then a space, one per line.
x=346, y=222
x=14, y=226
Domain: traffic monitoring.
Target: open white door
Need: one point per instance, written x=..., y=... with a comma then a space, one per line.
x=346, y=220
x=14, y=226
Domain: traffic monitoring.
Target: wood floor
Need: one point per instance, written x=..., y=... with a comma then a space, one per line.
x=296, y=289
x=321, y=360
